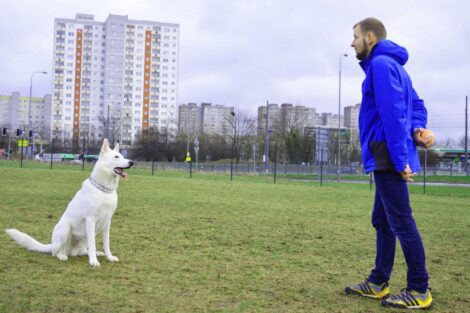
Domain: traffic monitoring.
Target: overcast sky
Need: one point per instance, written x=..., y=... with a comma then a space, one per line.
x=244, y=52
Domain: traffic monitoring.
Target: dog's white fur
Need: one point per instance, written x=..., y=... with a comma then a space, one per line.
x=89, y=213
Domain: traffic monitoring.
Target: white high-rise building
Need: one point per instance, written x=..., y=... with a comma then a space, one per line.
x=217, y=119
x=207, y=119
x=113, y=79
x=351, y=116
x=26, y=113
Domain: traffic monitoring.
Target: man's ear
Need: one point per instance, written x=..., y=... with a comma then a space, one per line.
x=371, y=39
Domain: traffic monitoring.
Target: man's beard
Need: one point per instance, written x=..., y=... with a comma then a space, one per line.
x=361, y=55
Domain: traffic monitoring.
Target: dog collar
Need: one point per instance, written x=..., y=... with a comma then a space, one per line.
x=100, y=187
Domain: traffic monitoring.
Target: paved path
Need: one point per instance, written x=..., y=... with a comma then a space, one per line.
x=367, y=182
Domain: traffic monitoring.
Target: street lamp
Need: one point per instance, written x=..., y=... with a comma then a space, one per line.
x=233, y=144
x=339, y=118
x=30, y=96
x=266, y=138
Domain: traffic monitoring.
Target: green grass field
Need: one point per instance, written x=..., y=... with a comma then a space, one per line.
x=210, y=245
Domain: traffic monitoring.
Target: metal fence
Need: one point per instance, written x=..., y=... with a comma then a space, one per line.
x=354, y=169
x=282, y=169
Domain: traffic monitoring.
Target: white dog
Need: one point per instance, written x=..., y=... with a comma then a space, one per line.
x=89, y=212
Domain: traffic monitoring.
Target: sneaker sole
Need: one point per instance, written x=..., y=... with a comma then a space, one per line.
x=393, y=305
x=357, y=293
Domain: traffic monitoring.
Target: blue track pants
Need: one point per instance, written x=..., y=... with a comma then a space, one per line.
x=392, y=218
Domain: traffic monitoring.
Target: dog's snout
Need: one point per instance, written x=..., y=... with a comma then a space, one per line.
x=131, y=163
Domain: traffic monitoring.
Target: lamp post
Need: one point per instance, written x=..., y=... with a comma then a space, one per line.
x=196, y=149
x=30, y=96
x=266, y=138
x=339, y=118
x=233, y=145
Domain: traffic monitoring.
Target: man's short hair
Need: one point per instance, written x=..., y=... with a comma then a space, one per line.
x=374, y=26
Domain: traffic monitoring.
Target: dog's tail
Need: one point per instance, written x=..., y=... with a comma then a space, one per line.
x=27, y=241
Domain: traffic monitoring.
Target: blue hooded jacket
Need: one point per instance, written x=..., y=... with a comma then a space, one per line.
x=390, y=111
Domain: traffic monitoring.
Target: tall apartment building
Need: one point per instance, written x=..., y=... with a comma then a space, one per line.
x=351, y=116
x=16, y=109
x=286, y=116
x=114, y=78
x=190, y=119
x=297, y=116
x=330, y=120
x=351, y=121
x=217, y=120
x=271, y=112
x=206, y=119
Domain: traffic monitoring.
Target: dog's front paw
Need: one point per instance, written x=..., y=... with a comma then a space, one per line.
x=94, y=262
x=113, y=258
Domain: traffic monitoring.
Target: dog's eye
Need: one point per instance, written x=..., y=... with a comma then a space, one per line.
x=117, y=156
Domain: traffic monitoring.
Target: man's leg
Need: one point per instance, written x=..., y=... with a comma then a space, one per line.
x=385, y=240
x=394, y=194
x=376, y=285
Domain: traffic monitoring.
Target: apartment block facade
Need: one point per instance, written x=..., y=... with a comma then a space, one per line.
x=190, y=119
x=218, y=120
x=270, y=113
x=297, y=116
x=351, y=116
x=17, y=111
x=351, y=121
x=205, y=119
x=113, y=79
x=286, y=116
x=330, y=120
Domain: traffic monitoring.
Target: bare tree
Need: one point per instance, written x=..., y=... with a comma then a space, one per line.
x=461, y=142
x=446, y=143
x=242, y=134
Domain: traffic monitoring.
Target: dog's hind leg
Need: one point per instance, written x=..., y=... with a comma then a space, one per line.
x=61, y=241
x=79, y=248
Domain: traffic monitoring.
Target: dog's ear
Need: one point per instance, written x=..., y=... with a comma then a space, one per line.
x=105, y=146
x=116, y=147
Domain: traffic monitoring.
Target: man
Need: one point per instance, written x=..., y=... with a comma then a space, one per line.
x=391, y=119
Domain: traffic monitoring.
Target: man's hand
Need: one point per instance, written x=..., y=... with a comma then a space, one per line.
x=423, y=142
x=407, y=175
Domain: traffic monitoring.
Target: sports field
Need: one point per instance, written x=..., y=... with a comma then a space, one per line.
x=210, y=245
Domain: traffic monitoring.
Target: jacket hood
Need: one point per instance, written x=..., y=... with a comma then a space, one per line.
x=388, y=48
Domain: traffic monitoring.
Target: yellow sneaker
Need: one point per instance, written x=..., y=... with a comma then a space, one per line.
x=370, y=290
x=410, y=299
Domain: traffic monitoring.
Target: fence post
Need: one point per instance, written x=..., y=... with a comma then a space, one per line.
x=321, y=168
x=425, y=167
x=275, y=162
x=21, y=161
x=51, y=152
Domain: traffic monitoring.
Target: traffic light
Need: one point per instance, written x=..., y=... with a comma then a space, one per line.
x=4, y=131
x=19, y=131
x=31, y=133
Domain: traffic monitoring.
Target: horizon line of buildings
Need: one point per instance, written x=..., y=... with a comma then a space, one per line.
x=204, y=118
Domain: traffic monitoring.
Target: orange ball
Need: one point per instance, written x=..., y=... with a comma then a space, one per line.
x=427, y=136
